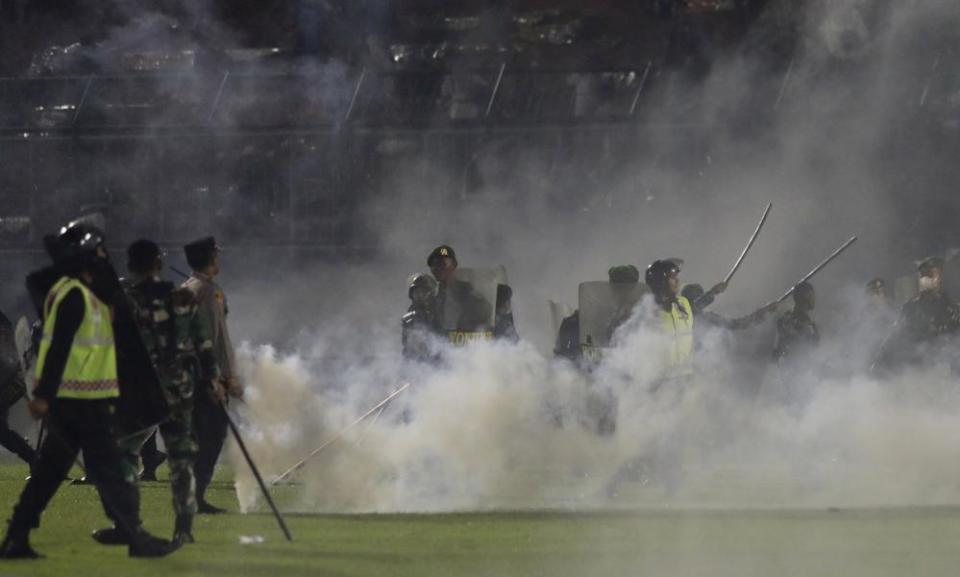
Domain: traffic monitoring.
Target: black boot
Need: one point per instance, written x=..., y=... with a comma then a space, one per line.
x=183, y=529
x=151, y=465
x=111, y=536
x=144, y=544
x=16, y=545
x=205, y=508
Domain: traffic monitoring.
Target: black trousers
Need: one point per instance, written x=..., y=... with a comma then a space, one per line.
x=88, y=426
x=149, y=452
x=12, y=441
x=210, y=426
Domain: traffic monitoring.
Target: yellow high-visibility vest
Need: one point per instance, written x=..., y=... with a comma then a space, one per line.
x=91, y=370
x=677, y=326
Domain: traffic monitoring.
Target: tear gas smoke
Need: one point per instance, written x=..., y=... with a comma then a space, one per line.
x=504, y=426
x=501, y=426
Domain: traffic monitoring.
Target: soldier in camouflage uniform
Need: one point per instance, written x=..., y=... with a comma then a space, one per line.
x=796, y=330
x=927, y=325
x=176, y=339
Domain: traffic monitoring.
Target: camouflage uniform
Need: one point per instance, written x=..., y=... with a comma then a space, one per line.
x=795, y=330
x=925, y=326
x=175, y=338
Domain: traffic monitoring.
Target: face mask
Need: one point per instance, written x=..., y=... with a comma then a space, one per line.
x=928, y=283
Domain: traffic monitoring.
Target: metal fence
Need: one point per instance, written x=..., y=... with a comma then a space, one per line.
x=295, y=160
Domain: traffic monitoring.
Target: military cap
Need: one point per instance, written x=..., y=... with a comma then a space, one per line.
x=440, y=252
x=623, y=274
x=930, y=262
x=199, y=252
x=141, y=254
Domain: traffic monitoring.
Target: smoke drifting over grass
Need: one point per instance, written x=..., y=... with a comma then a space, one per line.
x=502, y=427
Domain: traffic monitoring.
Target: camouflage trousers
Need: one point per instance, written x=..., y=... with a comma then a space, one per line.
x=177, y=433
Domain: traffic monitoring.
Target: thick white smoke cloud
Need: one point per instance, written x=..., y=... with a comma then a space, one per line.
x=504, y=426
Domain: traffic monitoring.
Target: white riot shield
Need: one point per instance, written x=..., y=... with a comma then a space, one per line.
x=603, y=308
x=951, y=272
x=904, y=289
x=558, y=312
x=469, y=304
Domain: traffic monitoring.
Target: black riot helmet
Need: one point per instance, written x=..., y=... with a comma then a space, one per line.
x=422, y=289
x=78, y=246
x=422, y=281
x=658, y=274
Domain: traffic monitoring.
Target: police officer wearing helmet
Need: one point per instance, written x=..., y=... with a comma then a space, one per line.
x=76, y=391
x=673, y=318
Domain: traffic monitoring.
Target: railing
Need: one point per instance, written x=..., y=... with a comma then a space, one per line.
x=331, y=98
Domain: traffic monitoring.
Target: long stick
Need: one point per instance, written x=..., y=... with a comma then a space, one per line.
x=179, y=272
x=256, y=473
x=746, y=249
x=43, y=428
x=817, y=268
x=337, y=436
x=372, y=423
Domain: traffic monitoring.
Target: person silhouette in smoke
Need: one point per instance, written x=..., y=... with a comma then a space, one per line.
x=419, y=324
x=796, y=330
x=927, y=324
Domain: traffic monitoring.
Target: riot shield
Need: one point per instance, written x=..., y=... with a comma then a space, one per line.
x=142, y=403
x=558, y=312
x=951, y=272
x=904, y=288
x=468, y=304
x=603, y=308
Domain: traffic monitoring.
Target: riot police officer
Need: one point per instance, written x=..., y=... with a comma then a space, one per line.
x=420, y=324
x=673, y=317
x=76, y=393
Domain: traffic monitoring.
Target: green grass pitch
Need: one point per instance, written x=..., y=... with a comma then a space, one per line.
x=663, y=543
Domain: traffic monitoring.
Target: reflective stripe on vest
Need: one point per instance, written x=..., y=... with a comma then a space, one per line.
x=91, y=369
x=677, y=327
